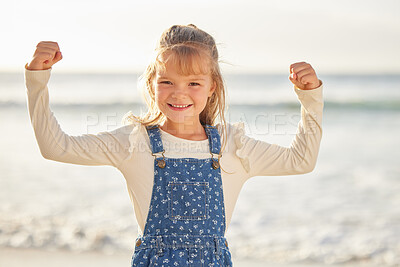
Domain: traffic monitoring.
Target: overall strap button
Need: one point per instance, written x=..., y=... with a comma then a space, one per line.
x=138, y=242
x=161, y=163
x=215, y=164
x=226, y=243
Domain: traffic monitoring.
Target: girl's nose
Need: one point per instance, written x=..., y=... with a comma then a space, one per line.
x=179, y=91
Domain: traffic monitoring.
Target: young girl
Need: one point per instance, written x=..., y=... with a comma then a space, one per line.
x=183, y=170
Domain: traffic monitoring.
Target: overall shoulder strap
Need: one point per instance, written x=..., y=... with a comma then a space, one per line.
x=154, y=134
x=214, y=139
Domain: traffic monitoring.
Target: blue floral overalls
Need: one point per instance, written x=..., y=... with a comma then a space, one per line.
x=186, y=221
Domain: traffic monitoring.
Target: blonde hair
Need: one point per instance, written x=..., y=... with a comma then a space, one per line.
x=189, y=46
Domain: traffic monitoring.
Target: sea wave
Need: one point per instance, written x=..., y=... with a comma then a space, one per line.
x=346, y=242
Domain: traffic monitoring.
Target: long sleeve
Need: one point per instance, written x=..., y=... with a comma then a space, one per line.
x=261, y=158
x=104, y=148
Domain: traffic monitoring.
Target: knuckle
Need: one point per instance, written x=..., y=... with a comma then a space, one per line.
x=43, y=43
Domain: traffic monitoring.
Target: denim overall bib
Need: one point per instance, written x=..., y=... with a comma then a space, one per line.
x=185, y=225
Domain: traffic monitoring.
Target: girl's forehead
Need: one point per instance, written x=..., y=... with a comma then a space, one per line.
x=172, y=64
x=184, y=77
x=171, y=70
x=173, y=75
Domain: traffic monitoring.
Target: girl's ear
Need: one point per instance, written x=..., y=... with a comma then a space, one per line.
x=212, y=89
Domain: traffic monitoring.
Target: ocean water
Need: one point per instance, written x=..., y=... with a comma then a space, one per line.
x=344, y=212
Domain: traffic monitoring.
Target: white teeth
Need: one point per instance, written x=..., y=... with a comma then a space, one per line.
x=179, y=106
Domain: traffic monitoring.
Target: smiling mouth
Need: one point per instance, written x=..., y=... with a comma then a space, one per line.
x=179, y=107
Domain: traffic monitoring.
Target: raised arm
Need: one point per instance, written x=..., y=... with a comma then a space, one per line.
x=261, y=158
x=104, y=148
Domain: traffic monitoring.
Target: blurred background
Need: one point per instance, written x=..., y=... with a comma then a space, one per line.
x=345, y=212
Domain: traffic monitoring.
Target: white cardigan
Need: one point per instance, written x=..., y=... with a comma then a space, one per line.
x=128, y=147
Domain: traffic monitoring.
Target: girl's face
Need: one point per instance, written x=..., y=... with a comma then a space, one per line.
x=182, y=98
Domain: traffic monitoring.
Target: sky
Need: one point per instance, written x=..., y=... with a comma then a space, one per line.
x=335, y=37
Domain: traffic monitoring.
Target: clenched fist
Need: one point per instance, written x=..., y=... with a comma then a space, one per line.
x=303, y=76
x=45, y=56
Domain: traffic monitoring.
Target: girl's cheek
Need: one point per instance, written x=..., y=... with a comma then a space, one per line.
x=162, y=88
x=157, y=93
x=200, y=95
x=161, y=95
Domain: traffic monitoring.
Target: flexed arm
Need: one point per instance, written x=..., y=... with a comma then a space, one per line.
x=264, y=159
x=105, y=148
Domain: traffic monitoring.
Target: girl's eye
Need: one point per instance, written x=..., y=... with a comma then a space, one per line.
x=168, y=82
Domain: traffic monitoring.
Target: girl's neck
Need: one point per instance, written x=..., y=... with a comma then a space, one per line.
x=189, y=132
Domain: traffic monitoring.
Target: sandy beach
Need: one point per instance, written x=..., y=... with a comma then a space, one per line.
x=10, y=257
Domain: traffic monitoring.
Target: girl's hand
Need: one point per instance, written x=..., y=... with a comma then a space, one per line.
x=45, y=56
x=303, y=76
